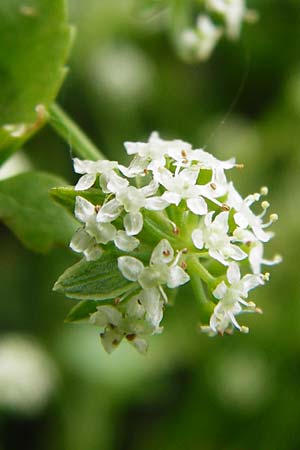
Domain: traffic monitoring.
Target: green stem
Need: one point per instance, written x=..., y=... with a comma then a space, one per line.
x=196, y=268
x=198, y=273
x=72, y=134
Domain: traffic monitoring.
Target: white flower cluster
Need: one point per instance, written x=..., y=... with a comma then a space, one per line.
x=195, y=213
x=201, y=41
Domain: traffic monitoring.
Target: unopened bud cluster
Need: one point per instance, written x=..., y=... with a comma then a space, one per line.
x=174, y=204
x=219, y=18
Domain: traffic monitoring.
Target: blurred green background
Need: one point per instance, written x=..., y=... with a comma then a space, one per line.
x=58, y=389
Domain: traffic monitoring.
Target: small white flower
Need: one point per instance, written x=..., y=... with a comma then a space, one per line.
x=133, y=199
x=100, y=232
x=90, y=170
x=163, y=269
x=152, y=154
x=183, y=186
x=82, y=242
x=213, y=235
x=87, y=214
x=135, y=319
x=207, y=161
x=232, y=297
x=200, y=42
x=256, y=250
x=233, y=11
x=244, y=217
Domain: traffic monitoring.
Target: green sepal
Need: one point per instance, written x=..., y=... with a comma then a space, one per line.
x=66, y=196
x=94, y=280
x=27, y=209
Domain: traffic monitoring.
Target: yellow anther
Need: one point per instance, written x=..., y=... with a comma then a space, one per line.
x=264, y=190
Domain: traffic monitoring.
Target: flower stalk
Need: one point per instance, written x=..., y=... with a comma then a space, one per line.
x=81, y=145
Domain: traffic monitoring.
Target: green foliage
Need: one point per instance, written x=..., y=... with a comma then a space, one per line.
x=66, y=196
x=81, y=311
x=35, y=42
x=27, y=209
x=93, y=280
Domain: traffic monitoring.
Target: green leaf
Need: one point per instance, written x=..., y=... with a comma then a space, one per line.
x=81, y=311
x=28, y=210
x=66, y=196
x=35, y=42
x=93, y=280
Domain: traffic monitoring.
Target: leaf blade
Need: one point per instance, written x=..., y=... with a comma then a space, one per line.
x=94, y=280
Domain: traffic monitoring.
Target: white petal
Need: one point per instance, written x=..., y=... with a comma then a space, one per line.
x=172, y=197
x=80, y=241
x=177, y=277
x=221, y=220
x=150, y=189
x=261, y=234
x=256, y=257
x=93, y=252
x=116, y=183
x=85, y=182
x=125, y=242
x=82, y=166
x=151, y=300
x=109, y=211
x=151, y=277
x=220, y=291
x=111, y=339
x=83, y=209
x=104, y=232
x=208, y=219
x=197, y=205
x=141, y=345
x=163, y=253
x=233, y=273
x=106, y=315
x=130, y=267
x=236, y=253
x=155, y=204
x=240, y=220
x=133, y=223
x=218, y=256
x=250, y=282
x=165, y=177
x=197, y=238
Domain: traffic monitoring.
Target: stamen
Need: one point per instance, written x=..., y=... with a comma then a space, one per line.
x=117, y=300
x=240, y=166
x=225, y=207
x=213, y=186
x=265, y=276
x=166, y=252
x=265, y=204
x=244, y=329
x=130, y=337
x=264, y=190
x=97, y=208
x=273, y=218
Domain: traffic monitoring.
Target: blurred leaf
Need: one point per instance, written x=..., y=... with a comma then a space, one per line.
x=93, y=280
x=28, y=210
x=81, y=311
x=66, y=196
x=35, y=42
